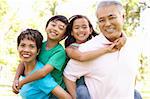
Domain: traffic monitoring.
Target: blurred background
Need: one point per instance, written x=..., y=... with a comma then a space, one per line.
x=17, y=15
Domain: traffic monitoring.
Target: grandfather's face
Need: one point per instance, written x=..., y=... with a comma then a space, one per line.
x=110, y=22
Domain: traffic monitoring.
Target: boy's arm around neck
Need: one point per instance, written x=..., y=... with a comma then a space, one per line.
x=36, y=75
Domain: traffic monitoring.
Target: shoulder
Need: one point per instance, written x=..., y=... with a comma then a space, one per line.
x=132, y=45
x=95, y=40
x=74, y=45
x=132, y=42
x=92, y=44
x=39, y=64
x=43, y=45
x=59, y=47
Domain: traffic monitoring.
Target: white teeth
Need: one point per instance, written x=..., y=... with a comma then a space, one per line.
x=110, y=30
x=54, y=34
x=26, y=55
x=81, y=35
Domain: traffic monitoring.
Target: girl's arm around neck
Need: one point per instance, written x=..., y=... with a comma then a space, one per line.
x=85, y=56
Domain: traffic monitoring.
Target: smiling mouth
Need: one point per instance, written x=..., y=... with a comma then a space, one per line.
x=53, y=33
x=81, y=35
x=110, y=30
x=26, y=55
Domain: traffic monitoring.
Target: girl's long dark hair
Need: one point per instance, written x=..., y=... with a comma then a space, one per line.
x=70, y=39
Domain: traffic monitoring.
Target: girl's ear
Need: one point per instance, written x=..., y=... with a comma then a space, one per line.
x=91, y=30
x=71, y=33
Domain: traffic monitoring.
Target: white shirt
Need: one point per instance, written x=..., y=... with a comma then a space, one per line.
x=111, y=76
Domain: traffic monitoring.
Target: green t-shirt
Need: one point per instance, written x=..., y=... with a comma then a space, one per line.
x=56, y=57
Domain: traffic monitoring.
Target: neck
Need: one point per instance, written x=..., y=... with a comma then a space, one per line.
x=80, y=42
x=29, y=67
x=50, y=44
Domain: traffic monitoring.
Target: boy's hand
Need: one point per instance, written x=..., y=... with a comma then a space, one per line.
x=20, y=84
x=14, y=86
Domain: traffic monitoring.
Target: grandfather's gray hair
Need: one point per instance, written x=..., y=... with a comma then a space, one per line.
x=109, y=3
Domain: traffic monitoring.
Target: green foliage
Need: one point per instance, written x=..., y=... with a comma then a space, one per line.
x=3, y=62
x=3, y=8
x=41, y=8
x=132, y=16
x=47, y=7
x=143, y=68
x=133, y=8
x=53, y=6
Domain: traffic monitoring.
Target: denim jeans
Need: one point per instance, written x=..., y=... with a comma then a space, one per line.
x=137, y=95
x=83, y=93
x=82, y=90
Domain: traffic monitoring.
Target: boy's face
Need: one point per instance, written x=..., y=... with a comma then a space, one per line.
x=110, y=21
x=27, y=50
x=81, y=30
x=55, y=30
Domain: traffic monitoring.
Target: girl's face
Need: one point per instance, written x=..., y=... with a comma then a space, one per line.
x=27, y=50
x=81, y=30
x=55, y=30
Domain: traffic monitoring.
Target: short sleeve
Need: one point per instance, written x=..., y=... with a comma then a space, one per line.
x=75, y=69
x=93, y=44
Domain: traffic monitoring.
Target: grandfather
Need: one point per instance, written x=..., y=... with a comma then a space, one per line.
x=111, y=76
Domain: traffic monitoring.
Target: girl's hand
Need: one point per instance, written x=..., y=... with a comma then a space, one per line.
x=111, y=48
x=120, y=42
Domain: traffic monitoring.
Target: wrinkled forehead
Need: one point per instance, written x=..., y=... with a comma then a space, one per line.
x=106, y=4
x=107, y=11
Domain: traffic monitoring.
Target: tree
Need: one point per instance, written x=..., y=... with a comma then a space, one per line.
x=3, y=9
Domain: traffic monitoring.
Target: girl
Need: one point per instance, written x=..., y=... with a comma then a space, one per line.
x=80, y=30
x=52, y=55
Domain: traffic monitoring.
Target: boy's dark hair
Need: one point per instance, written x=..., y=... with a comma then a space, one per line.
x=31, y=34
x=59, y=18
x=70, y=39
